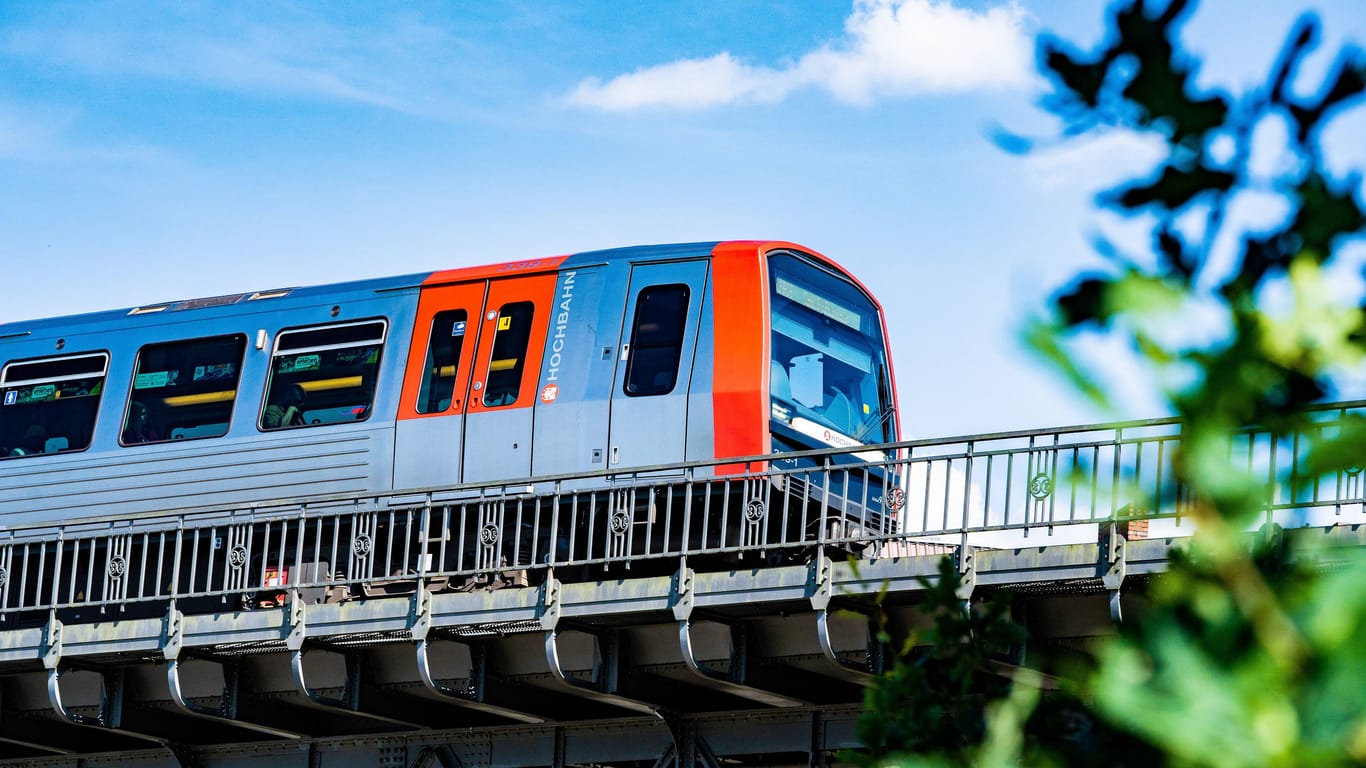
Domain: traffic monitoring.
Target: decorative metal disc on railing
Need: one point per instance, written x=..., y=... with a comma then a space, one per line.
x=896, y=499
x=488, y=534
x=1040, y=486
x=237, y=556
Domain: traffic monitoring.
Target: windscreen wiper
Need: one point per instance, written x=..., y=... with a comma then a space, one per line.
x=884, y=412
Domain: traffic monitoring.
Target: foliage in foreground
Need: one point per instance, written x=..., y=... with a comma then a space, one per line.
x=1252, y=650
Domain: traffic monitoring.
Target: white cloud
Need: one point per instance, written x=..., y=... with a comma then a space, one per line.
x=285, y=52
x=688, y=84
x=891, y=48
x=1097, y=161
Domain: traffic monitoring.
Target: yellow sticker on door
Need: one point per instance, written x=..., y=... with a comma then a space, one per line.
x=504, y=322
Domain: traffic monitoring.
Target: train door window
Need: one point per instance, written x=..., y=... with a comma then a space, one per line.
x=509, y=353
x=657, y=340
x=183, y=390
x=49, y=406
x=443, y=359
x=323, y=375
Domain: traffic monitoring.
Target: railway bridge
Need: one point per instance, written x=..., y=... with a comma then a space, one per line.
x=667, y=616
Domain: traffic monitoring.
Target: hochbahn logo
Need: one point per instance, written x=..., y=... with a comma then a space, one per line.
x=557, y=346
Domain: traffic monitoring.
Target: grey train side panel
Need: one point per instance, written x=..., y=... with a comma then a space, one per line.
x=579, y=362
x=652, y=429
x=227, y=471
x=427, y=451
x=497, y=445
x=242, y=466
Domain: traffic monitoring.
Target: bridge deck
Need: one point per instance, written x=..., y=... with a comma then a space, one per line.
x=661, y=616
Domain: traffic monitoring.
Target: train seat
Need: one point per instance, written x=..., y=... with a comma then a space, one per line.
x=779, y=384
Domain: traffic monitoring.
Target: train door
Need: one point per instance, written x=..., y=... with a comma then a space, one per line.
x=427, y=443
x=574, y=398
x=502, y=390
x=649, y=412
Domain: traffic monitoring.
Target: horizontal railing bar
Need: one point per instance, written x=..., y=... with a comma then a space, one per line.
x=371, y=542
x=640, y=474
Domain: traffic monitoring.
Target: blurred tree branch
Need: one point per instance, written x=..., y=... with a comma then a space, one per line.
x=1250, y=652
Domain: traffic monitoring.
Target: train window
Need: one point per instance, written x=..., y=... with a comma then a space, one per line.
x=183, y=390
x=657, y=340
x=509, y=353
x=828, y=371
x=49, y=406
x=443, y=359
x=323, y=375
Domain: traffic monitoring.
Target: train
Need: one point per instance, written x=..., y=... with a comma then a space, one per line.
x=630, y=358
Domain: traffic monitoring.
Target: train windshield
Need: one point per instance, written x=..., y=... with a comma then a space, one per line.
x=828, y=375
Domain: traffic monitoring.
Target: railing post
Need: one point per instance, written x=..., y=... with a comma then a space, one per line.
x=967, y=486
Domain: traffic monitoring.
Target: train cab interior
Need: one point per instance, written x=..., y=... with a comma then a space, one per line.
x=828, y=372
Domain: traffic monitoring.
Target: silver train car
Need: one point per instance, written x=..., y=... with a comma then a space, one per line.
x=604, y=360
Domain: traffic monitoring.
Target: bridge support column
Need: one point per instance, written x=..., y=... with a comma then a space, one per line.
x=349, y=702
x=822, y=592
x=967, y=572
x=471, y=698
x=599, y=690
x=109, y=716
x=689, y=750
x=732, y=683
x=1113, y=566
x=226, y=711
x=439, y=755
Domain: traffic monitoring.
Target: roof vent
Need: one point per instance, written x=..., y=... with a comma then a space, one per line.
x=275, y=294
x=212, y=301
x=149, y=309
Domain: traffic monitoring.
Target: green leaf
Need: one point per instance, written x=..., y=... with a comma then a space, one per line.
x=1172, y=252
x=1349, y=82
x=1173, y=188
x=1325, y=214
x=1085, y=302
x=1081, y=80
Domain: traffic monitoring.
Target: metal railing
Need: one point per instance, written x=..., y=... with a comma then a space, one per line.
x=752, y=511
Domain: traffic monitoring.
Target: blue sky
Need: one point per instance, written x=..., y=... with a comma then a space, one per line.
x=155, y=151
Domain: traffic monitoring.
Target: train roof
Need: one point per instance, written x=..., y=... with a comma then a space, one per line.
x=310, y=294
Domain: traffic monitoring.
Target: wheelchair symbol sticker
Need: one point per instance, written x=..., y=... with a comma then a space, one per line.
x=12, y=397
